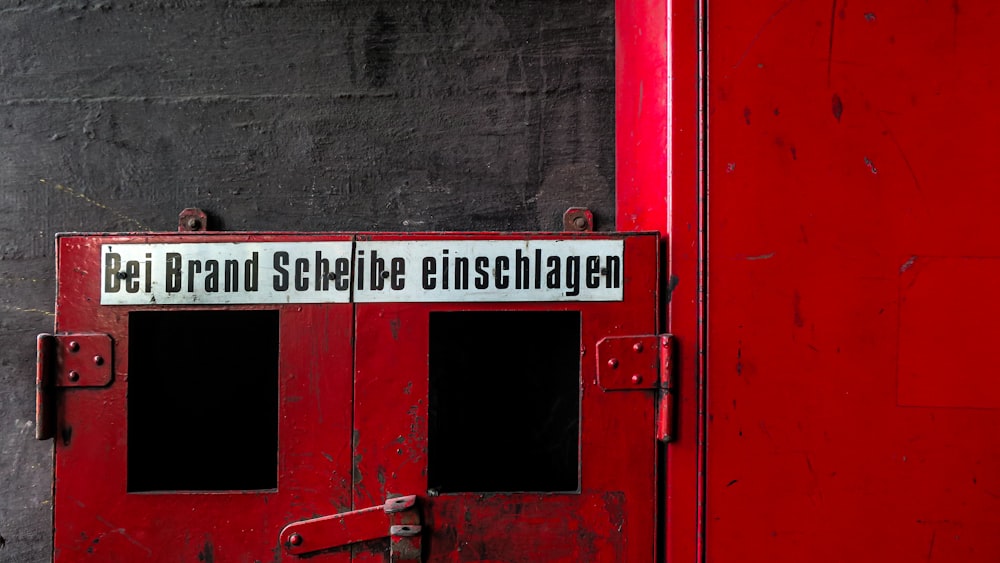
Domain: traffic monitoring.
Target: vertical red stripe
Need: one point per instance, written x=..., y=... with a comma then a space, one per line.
x=660, y=187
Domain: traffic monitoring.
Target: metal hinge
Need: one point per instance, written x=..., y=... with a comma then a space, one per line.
x=641, y=362
x=68, y=360
x=398, y=519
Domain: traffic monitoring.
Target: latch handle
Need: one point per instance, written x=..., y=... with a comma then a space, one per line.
x=397, y=519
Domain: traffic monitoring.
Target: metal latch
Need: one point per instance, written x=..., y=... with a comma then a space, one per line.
x=640, y=362
x=68, y=360
x=398, y=519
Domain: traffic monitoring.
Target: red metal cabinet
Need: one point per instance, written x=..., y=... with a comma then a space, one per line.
x=260, y=397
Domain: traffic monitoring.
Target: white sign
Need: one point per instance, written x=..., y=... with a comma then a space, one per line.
x=440, y=271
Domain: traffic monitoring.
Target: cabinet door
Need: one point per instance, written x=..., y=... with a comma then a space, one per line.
x=486, y=404
x=216, y=423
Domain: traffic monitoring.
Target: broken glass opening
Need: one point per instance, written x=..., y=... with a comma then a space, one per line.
x=504, y=401
x=202, y=400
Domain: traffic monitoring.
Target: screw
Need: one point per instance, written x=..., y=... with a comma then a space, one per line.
x=74, y=346
x=99, y=360
x=636, y=379
x=637, y=346
x=295, y=539
x=74, y=376
x=613, y=363
x=193, y=223
x=580, y=223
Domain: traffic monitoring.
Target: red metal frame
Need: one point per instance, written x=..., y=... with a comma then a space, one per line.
x=660, y=186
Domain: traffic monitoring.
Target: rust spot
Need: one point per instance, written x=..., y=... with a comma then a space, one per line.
x=733, y=482
x=838, y=107
x=746, y=115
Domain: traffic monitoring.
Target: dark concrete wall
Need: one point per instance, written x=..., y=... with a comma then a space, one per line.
x=284, y=115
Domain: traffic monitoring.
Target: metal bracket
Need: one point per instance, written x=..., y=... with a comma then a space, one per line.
x=397, y=519
x=68, y=360
x=578, y=219
x=628, y=362
x=641, y=362
x=192, y=219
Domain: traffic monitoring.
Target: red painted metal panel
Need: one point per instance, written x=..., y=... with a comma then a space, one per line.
x=641, y=114
x=660, y=187
x=852, y=403
x=610, y=519
x=94, y=516
x=948, y=311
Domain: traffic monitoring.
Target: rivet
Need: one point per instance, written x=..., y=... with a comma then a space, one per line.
x=331, y=276
x=193, y=223
x=636, y=379
x=295, y=539
x=99, y=360
x=613, y=363
x=385, y=274
x=637, y=346
x=74, y=376
x=122, y=276
x=74, y=346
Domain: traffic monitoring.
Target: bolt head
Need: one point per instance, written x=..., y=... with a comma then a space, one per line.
x=193, y=223
x=636, y=379
x=613, y=363
x=295, y=539
x=74, y=376
x=580, y=223
x=98, y=360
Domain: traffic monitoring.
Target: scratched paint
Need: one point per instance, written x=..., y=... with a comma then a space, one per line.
x=851, y=410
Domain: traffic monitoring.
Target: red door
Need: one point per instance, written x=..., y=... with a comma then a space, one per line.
x=236, y=397
x=493, y=411
x=177, y=456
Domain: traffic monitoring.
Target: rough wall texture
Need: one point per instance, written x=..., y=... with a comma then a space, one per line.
x=278, y=115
